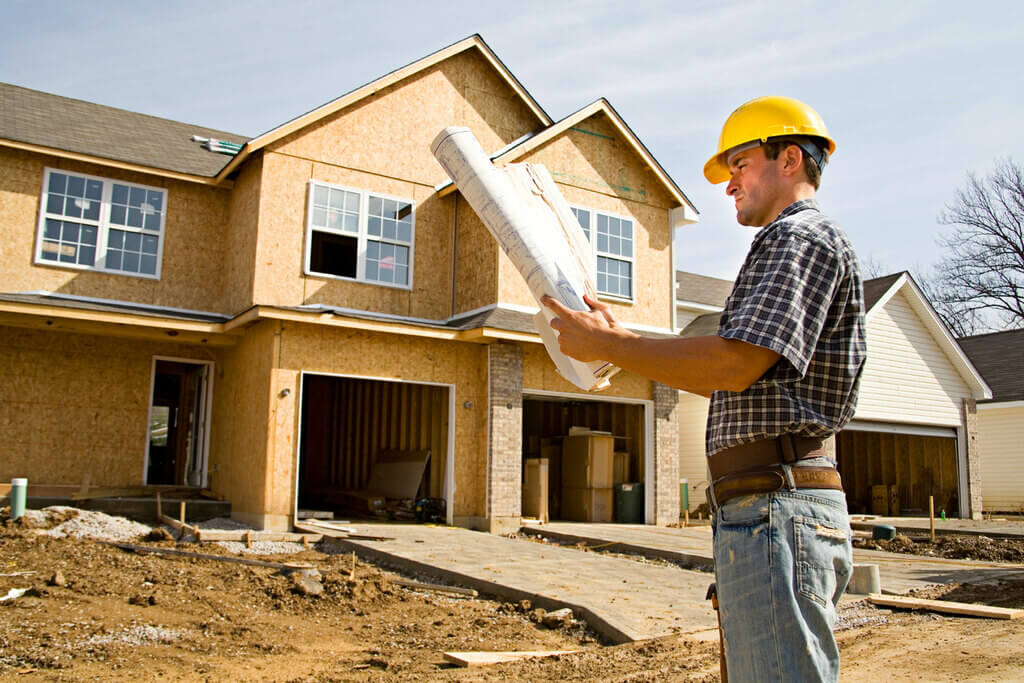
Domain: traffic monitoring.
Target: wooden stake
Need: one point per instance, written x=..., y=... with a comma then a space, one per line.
x=686, y=518
x=931, y=515
x=305, y=542
x=181, y=513
x=159, y=511
x=352, y=571
x=248, y=539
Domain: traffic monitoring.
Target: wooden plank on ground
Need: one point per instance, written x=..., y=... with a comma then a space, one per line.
x=241, y=535
x=331, y=532
x=485, y=658
x=418, y=585
x=964, y=608
x=204, y=556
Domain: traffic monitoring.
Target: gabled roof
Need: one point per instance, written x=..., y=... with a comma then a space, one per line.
x=39, y=121
x=999, y=356
x=884, y=288
x=701, y=289
x=474, y=42
x=518, y=151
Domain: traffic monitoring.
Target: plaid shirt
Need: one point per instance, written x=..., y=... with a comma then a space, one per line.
x=799, y=294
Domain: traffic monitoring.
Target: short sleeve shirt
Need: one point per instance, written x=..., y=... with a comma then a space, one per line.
x=799, y=294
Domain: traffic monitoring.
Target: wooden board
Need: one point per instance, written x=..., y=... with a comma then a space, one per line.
x=485, y=658
x=964, y=608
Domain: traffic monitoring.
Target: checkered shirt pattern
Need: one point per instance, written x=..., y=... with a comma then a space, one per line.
x=799, y=294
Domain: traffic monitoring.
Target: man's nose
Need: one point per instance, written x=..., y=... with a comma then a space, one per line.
x=731, y=187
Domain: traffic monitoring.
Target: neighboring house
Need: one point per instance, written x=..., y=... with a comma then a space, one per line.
x=264, y=317
x=999, y=358
x=914, y=427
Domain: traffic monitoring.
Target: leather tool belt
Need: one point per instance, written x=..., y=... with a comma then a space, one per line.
x=756, y=468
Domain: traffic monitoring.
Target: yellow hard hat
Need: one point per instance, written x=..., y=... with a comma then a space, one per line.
x=760, y=119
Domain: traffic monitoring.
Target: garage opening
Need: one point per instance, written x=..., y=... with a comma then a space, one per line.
x=373, y=449
x=892, y=473
x=583, y=460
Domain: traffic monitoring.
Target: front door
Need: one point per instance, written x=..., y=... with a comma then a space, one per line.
x=177, y=424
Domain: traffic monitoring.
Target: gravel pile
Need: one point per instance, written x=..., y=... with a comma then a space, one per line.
x=137, y=635
x=85, y=524
x=258, y=547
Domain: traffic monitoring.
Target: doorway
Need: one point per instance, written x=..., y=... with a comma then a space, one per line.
x=178, y=424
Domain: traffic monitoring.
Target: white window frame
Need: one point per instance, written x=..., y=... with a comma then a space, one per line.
x=591, y=232
x=362, y=236
x=102, y=224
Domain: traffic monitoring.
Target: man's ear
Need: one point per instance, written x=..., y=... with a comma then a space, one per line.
x=792, y=159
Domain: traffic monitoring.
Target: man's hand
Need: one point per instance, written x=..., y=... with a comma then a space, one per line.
x=586, y=335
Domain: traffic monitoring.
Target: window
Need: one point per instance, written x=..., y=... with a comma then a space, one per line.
x=613, y=247
x=99, y=224
x=359, y=235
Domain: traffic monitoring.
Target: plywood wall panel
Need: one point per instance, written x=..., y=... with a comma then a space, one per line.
x=192, y=250
x=242, y=229
x=76, y=405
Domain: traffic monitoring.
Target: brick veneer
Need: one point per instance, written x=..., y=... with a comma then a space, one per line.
x=505, y=437
x=665, y=487
x=970, y=424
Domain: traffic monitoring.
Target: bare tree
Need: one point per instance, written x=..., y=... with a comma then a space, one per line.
x=979, y=284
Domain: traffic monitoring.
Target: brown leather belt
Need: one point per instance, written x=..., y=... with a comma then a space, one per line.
x=786, y=448
x=773, y=479
x=756, y=468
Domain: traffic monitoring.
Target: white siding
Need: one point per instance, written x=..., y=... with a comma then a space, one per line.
x=693, y=419
x=1001, y=447
x=907, y=378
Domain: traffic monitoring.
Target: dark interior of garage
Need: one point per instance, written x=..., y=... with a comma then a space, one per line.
x=372, y=448
x=891, y=474
x=594, y=454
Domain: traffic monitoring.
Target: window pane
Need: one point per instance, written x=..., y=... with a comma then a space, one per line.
x=351, y=222
x=319, y=218
x=136, y=196
x=389, y=229
x=375, y=206
x=602, y=242
x=602, y=223
x=319, y=195
x=371, y=270
x=627, y=230
x=131, y=262
x=113, y=261
x=132, y=241
x=390, y=208
x=373, y=250
x=94, y=190
x=148, y=264
x=71, y=209
x=88, y=235
x=120, y=194
x=402, y=275
x=613, y=226
x=404, y=232
x=134, y=217
x=86, y=255
x=337, y=199
x=613, y=245
x=602, y=282
x=76, y=186
x=55, y=204
x=373, y=226
x=352, y=202
x=149, y=244
x=402, y=256
x=69, y=232
x=50, y=250
x=91, y=210
x=58, y=183
x=116, y=239
x=52, y=230
x=117, y=214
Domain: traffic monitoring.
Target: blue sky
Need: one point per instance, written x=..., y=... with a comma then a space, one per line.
x=917, y=94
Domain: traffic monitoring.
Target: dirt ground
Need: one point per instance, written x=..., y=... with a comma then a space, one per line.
x=97, y=612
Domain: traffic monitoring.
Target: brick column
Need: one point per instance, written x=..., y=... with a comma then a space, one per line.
x=665, y=487
x=970, y=426
x=505, y=437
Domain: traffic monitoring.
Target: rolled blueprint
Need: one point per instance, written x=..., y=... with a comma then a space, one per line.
x=521, y=206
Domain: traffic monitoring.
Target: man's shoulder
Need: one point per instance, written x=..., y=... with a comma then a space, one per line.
x=805, y=221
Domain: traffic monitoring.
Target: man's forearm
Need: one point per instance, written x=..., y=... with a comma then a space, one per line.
x=698, y=365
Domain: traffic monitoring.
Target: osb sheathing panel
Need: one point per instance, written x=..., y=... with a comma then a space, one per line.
x=280, y=279
x=595, y=168
x=476, y=269
x=318, y=349
x=539, y=373
x=193, y=244
x=241, y=235
x=241, y=422
x=389, y=133
x=77, y=405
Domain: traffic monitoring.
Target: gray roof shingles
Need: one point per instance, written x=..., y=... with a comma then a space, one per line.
x=38, y=118
x=999, y=357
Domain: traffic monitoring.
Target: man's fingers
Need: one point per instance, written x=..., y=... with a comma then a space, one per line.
x=555, y=306
x=595, y=304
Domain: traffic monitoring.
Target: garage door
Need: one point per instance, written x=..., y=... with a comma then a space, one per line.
x=917, y=461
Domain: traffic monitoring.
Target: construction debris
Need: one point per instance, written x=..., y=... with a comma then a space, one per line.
x=962, y=608
x=485, y=658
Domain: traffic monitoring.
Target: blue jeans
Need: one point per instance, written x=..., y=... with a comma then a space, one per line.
x=782, y=560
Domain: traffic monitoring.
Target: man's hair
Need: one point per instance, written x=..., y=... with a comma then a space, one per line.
x=773, y=148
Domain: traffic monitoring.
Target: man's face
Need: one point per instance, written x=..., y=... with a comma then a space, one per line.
x=754, y=186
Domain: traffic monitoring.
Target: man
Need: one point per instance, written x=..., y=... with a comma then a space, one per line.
x=783, y=373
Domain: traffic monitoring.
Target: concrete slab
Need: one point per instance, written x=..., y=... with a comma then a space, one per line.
x=622, y=599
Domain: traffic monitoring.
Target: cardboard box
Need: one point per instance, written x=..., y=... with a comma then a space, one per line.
x=553, y=454
x=885, y=500
x=587, y=504
x=588, y=461
x=535, y=489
